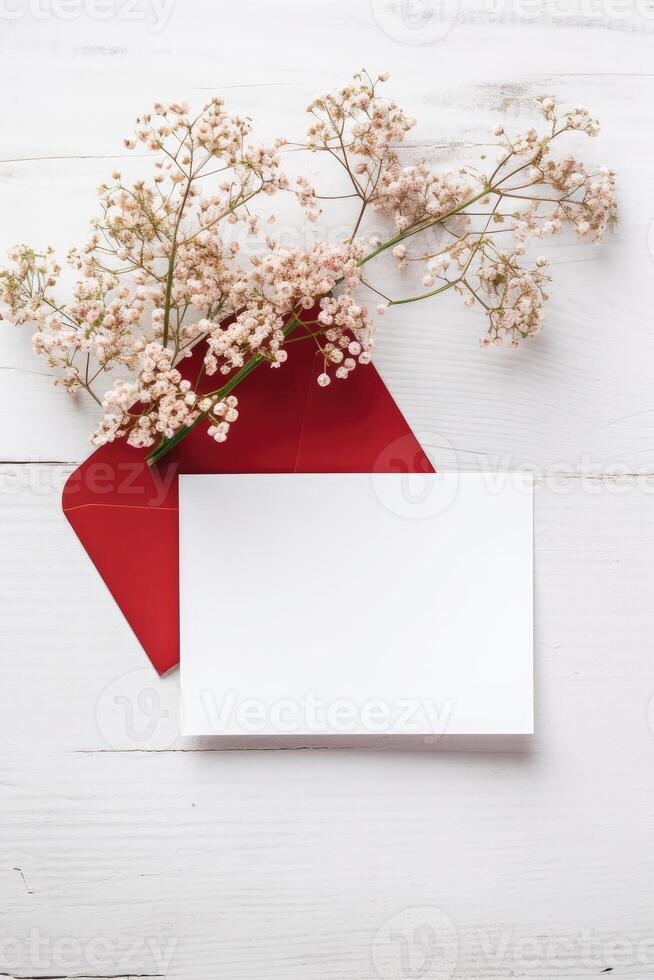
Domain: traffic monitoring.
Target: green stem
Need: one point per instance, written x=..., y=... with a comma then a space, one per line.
x=423, y=226
x=166, y=445
x=434, y=292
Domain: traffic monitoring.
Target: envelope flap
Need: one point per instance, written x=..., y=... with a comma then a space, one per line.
x=354, y=426
x=135, y=551
x=265, y=439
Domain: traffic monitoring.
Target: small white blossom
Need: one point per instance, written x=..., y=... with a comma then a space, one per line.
x=165, y=266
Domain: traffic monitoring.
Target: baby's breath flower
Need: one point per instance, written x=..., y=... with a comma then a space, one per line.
x=166, y=263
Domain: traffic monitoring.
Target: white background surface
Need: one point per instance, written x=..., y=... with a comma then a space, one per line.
x=531, y=860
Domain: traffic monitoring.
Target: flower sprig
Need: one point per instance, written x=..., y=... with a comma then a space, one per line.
x=162, y=269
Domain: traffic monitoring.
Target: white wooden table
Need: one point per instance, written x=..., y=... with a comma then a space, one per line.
x=124, y=853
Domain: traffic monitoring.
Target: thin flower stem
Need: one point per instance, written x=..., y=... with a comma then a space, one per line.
x=165, y=445
x=423, y=226
x=359, y=219
x=168, y=241
x=434, y=292
x=171, y=265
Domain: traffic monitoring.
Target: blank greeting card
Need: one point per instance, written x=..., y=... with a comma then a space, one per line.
x=356, y=604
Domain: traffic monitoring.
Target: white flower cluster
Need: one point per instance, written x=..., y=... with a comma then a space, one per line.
x=163, y=267
x=519, y=300
x=416, y=193
x=168, y=401
x=349, y=335
x=282, y=285
x=369, y=123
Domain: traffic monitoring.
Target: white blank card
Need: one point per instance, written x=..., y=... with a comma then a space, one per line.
x=356, y=604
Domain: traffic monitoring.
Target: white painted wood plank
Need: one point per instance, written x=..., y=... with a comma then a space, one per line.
x=578, y=396
x=296, y=864
x=286, y=864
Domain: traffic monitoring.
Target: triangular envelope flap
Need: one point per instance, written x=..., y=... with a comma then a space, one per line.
x=265, y=439
x=138, y=560
x=354, y=426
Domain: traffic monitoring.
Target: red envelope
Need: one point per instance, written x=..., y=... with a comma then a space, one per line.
x=125, y=512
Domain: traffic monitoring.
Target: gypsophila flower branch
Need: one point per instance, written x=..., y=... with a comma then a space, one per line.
x=160, y=271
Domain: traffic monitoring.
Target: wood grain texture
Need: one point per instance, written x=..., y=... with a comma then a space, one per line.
x=126, y=851
x=264, y=864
